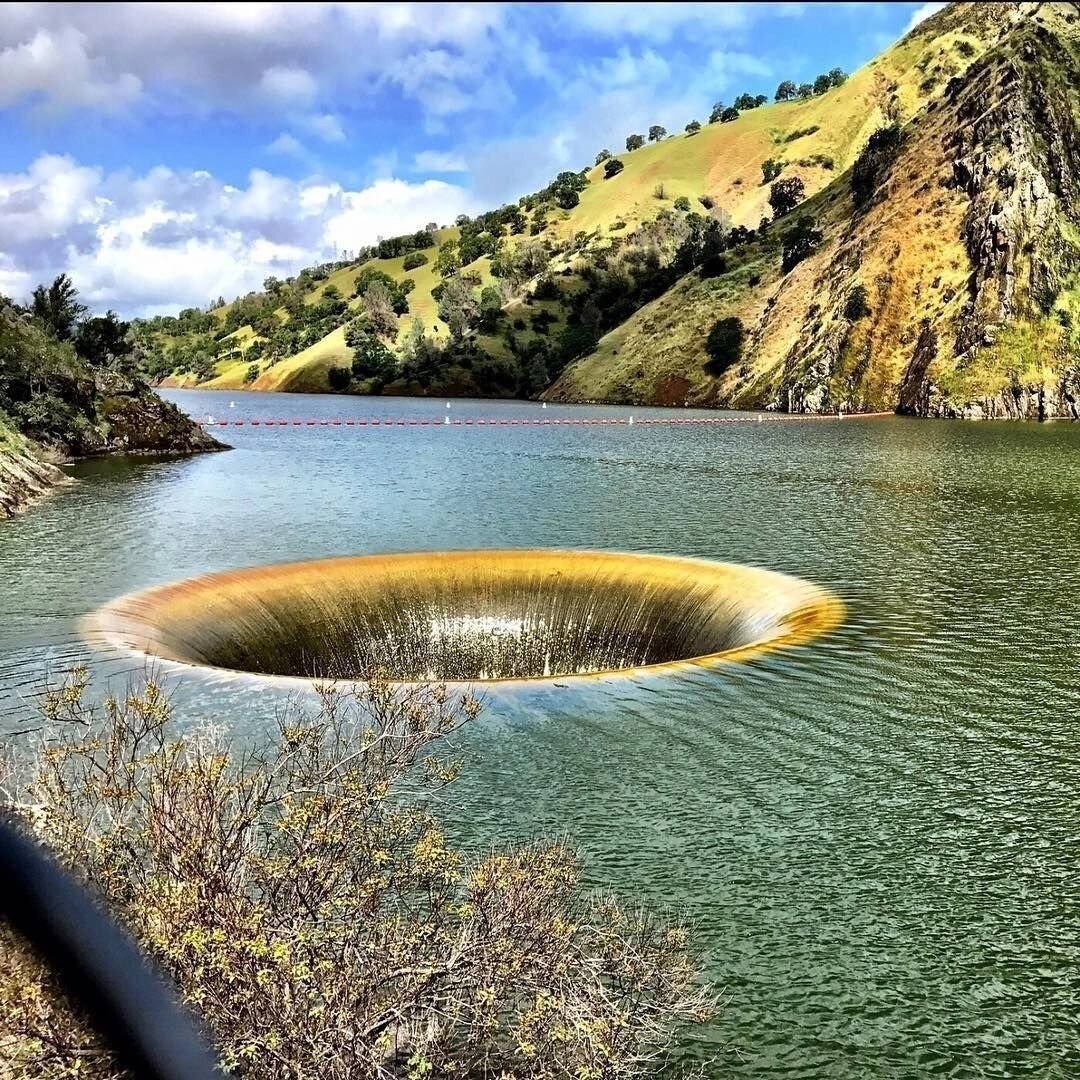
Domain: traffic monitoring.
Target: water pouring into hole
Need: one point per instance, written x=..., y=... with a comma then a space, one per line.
x=468, y=616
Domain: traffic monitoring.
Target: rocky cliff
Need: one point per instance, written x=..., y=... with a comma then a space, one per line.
x=947, y=285
x=56, y=406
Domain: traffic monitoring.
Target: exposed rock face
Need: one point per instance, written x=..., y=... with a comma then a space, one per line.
x=140, y=422
x=994, y=165
x=24, y=478
x=963, y=243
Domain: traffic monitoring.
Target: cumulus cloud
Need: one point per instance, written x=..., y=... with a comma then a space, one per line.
x=55, y=69
x=245, y=57
x=168, y=238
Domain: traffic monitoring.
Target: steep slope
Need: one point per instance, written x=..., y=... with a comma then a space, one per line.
x=54, y=404
x=945, y=283
x=966, y=257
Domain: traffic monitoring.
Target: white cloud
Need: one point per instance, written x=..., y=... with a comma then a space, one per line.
x=923, y=13
x=389, y=207
x=242, y=57
x=439, y=161
x=55, y=68
x=167, y=239
x=326, y=127
x=289, y=86
x=287, y=144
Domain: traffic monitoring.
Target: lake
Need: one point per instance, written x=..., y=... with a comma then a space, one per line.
x=877, y=834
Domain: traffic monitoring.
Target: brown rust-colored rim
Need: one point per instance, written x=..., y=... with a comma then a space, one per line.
x=802, y=610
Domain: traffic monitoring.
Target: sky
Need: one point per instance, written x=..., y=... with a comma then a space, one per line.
x=167, y=154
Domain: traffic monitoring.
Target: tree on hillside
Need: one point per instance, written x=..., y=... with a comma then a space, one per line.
x=448, y=260
x=857, y=305
x=567, y=198
x=724, y=344
x=770, y=169
x=57, y=306
x=744, y=101
x=104, y=340
x=612, y=167
x=806, y=90
x=799, y=242
x=837, y=77
x=491, y=304
x=656, y=133
x=728, y=115
x=872, y=165
x=371, y=358
x=786, y=91
x=693, y=127
x=339, y=379
x=716, y=113
x=634, y=142
x=458, y=306
x=413, y=260
x=822, y=83
x=378, y=306
x=602, y=156
x=785, y=195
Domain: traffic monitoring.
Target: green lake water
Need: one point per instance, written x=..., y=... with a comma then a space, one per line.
x=877, y=834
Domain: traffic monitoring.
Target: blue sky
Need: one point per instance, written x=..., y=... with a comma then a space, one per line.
x=169, y=153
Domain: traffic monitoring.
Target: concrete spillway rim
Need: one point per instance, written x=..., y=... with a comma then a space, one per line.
x=814, y=611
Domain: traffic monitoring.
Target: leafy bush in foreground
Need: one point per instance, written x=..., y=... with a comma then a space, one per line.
x=312, y=913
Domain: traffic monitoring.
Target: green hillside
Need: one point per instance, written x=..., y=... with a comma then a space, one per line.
x=928, y=259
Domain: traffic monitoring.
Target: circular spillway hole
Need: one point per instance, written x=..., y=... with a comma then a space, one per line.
x=467, y=616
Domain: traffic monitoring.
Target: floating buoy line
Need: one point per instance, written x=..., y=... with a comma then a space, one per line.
x=568, y=421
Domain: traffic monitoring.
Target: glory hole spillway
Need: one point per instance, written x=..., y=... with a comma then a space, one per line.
x=467, y=616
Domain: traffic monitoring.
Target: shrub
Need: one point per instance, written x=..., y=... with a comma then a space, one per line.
x=682, y=203
x=800, y=241
x=567, y=198
x=873, y=163
x=857, y=306
x=612, y=168
x=659, y=192
x=707, y=201
x=724, y=344
x=770, y=169
x=785, y=195
x=372, y=359
x=801, y=133
x=251, y=374
x=301, y=893
x=414, y=259
x=339, y=378
x=545, y=289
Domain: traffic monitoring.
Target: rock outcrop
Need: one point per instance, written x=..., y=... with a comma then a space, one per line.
x=24, y=477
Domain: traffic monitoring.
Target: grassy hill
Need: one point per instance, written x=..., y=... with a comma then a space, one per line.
x=940, y=271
